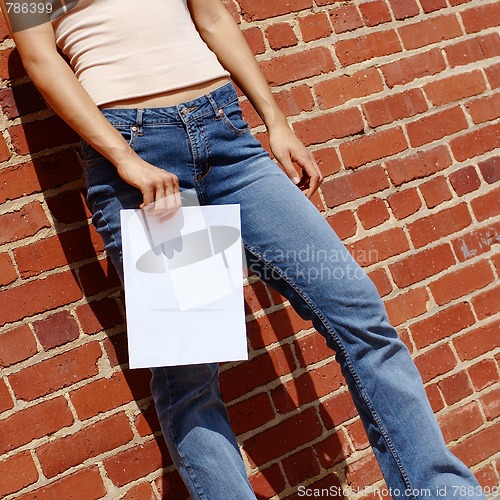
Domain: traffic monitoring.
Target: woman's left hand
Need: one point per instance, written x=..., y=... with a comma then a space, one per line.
x=287, y=149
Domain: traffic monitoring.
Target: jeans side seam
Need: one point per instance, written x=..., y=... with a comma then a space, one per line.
x=350, y=365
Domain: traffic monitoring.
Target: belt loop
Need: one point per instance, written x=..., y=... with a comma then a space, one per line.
x=217, y=110
x=138, y=121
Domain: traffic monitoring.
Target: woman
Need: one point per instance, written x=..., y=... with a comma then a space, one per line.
x=150, y=96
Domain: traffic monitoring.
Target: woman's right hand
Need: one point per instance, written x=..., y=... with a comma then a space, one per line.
x=159, y=188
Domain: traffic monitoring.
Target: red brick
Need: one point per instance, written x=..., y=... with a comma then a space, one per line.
x=269, y=482
x=300, y=466
x=491, y=404
x=395, y=107
x=407, y=69
x=374, y=13
x=436, y=126
x=315, y=26
x=357, y=434
x=16, y=345
x=379, y=246
x=55, y=251
x=86, y=481
x=476, y=143
x=373, y=147
x=429, y=31
x=252, y=10
x=20, y=100
x=4, y=150
x=490, y=169
x=455, y=388
x=330, y=482
x=476, y=242
x=55, y=373
x=484, y=109
x=256, y=297
x=433, y=5
x=435, y=362
x=310, y=386
x=472, y=50
x=421, y=265
x=465, y=180
x=255, y=40
x=407, y=305
x=275, y=327
x=147, y=421
x=404, y=203
x=336, y=91
x=487, y=478
x=460, y=422
x=435, y=226
x=373, y=213
x=143, y=491
x=435, y=191
x=404, y=8
x=281, y=35
x=483, y=374
x=345, y=18
x=45, y=172
x=486, y=303
x=6, y=402
x=8, y=272
x=98, y=276
x=4, y=30
x=419, y=165
x=99, y=315
x=328, y=161
x=56, y=330
x=69, y=206
x=472, y=344
x=109, y=393
x=312, y=348
x=35, y=136
x=381, y=280
x=293, y=67
x=116, y=347
x=296, y=100
x=367, y=47
x=38, y=296
x=171, y=486
x=61, y=454
x=480, y=18
x=478, y=447
x=343, y=223
x=455, y=87
x=329, y=125
x=245, y=377
x=442, y=324
x=250, y=413
x=337, y=409
x=34, y=422
x=493, y=75
x=487, y=205
x=286, y=436
x=363, y=472
x=333, y=449
x=435, y=398
x=25, y=222
x=137, y=462
x=10, y=64
x=17, y=472
x=461, y=282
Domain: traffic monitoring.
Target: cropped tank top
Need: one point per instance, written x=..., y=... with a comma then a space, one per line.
x=121, y=49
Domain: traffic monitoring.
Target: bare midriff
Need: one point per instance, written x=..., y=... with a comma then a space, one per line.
x=170, y=98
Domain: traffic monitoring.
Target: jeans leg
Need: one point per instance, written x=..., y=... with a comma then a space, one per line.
x=196, y=429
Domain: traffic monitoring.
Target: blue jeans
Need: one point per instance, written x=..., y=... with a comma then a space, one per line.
x=288, y=243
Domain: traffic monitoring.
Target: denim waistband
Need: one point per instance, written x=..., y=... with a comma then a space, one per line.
x=186, y=111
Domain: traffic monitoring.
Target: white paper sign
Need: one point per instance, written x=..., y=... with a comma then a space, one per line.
x=184, y=286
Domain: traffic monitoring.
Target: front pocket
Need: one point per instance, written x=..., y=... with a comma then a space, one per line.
x=232, y=117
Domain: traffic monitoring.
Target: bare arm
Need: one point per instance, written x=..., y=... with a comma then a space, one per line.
x=224, y=37
x=66, y=96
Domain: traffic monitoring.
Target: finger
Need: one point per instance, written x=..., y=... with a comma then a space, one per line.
x=290, y=170
x=147, y=197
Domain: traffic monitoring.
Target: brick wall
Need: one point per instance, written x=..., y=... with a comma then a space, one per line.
x=398, y=101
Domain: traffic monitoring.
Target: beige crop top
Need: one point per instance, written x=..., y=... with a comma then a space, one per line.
x=121, y=49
